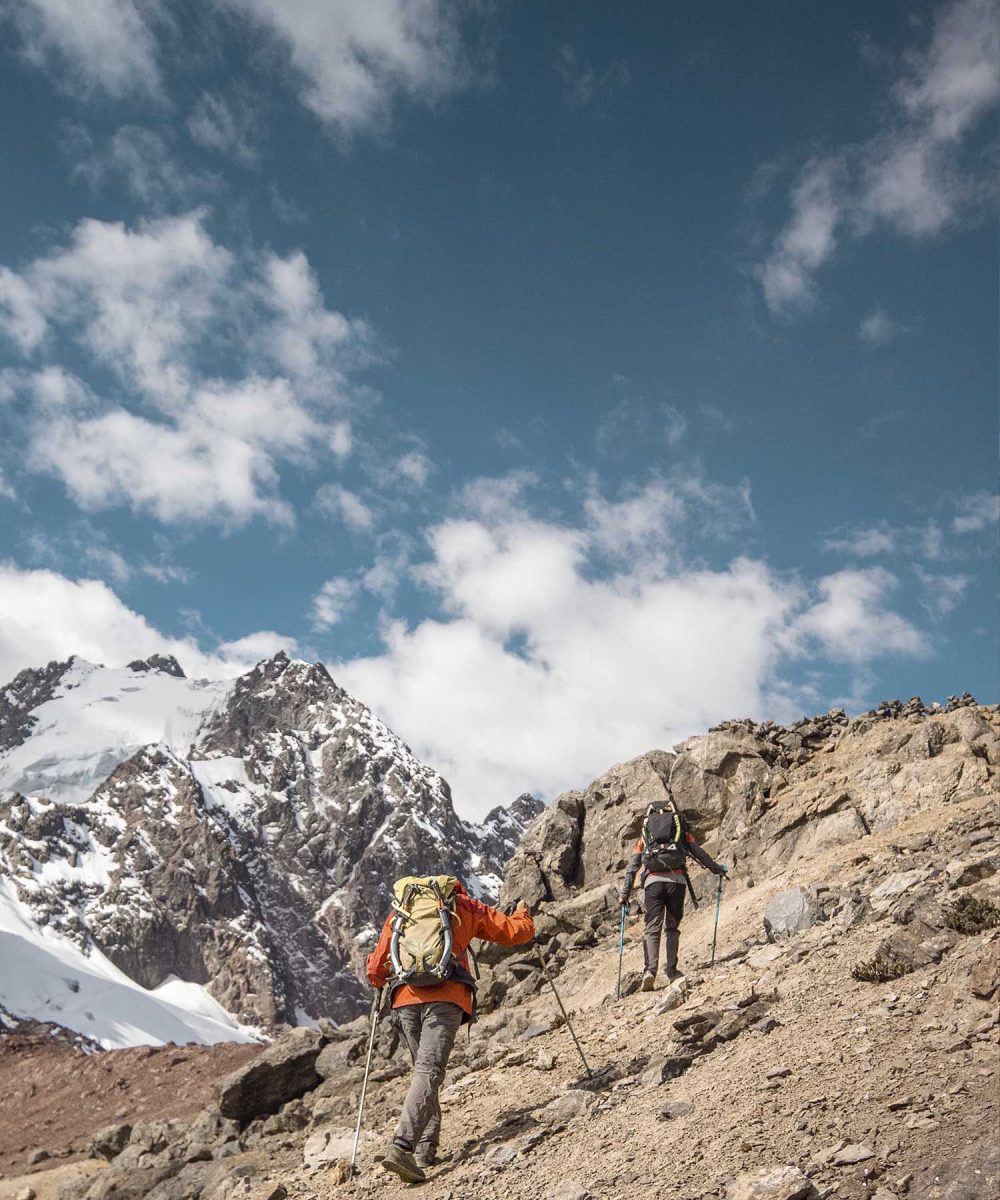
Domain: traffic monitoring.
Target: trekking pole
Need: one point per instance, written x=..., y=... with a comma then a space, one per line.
x=621, y=951
x=545, y=972
x=718, y=905
x=376, y=1001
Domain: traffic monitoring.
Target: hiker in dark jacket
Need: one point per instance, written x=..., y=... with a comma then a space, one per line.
x=661, y=852
x=428, y=1018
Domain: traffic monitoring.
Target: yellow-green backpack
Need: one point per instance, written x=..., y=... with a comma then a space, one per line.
x=421, y=946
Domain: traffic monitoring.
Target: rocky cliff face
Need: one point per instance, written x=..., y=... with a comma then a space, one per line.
x=762, y=795
x=250, y=850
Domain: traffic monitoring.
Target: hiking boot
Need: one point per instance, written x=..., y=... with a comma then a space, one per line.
x=647, y=981
x=426, y=1157
x=402, y=1163
x=673, y=974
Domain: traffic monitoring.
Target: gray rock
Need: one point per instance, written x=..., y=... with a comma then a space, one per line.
x=37, y=1156
x=789, y=913
x=775, y=1183
x=567, y=1108
x=848, y=1156
x=110, y=1141
x=674, y=996
x=569, y=1189
x=285, y=1071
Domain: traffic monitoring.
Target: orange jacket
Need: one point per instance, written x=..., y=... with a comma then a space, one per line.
x=472, y=919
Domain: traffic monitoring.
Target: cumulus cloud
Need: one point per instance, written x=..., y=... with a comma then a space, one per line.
x=332, y=602
x=540, y=666
x=976, y=512
x=942, y=594
x=49, y=616
x=106, y=45
x=150, y=304
x=851, y=622
x=334, y=500
x=352, y=58
x=909, y=176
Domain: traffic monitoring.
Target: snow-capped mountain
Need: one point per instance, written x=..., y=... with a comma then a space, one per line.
x=185, y=860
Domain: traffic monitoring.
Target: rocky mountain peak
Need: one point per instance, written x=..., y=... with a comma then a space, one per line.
x=239, y=837
x=164, y=663
x=25, y=692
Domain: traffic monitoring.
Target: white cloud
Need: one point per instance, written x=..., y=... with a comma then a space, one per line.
x=878, y=328
x=584, y=83
x=416, y=467
x=807, y=240
x=225, y=126
x=334, y=500
x=332, y=602
x=851, y=622
x=99, y=44
x=142, y=159
x=977, y=511
x=942, y=593
x=7, y=489
x=541, y=668
x=909, y=176
x=149, y=304
x=865, y=542
x=352, y=58
x=48, y=616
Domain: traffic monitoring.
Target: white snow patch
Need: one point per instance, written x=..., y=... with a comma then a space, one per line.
x=97, y=718
x=48, y=979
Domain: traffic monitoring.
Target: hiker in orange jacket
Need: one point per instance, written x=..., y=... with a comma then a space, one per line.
x=428, y=1019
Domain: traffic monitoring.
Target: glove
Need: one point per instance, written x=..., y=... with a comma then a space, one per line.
x=723, y=871
x=623, y=897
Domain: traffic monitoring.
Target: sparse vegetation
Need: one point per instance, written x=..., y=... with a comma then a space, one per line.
x=971, y=914
x=880, y=969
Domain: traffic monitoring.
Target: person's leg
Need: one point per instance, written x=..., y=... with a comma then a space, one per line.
x=399, y=1157
x=672, y=915
x=439, y=1022
x=653, y=897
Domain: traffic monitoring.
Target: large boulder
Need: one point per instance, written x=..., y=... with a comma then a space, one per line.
x=788, y=913
x=285, y=1071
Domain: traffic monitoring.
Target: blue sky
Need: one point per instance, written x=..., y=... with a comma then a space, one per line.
x=566, y=381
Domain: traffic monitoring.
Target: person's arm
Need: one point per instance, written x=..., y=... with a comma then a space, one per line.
x=699, y=855
x=633, y=869
x=496, y=926
x=377, y=965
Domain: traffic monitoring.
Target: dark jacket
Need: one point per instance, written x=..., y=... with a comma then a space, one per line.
x=690, y=848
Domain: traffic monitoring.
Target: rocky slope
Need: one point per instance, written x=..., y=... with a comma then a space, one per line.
x=774, y=1073
x=226, y=847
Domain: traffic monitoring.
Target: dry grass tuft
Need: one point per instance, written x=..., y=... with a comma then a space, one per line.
x=880, y=969
x=970, y=914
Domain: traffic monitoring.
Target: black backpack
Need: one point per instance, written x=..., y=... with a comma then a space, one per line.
x=663, y=839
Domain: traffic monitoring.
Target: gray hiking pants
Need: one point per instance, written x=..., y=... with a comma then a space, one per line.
x=664, y=908
x=429, y=1032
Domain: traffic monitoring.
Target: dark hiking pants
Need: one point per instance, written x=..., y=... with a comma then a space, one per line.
x=429, y=1033
x=664, y=909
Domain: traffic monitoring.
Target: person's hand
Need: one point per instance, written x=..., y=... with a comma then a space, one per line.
x=723, y=871
x=623, y=897
x=521, y=907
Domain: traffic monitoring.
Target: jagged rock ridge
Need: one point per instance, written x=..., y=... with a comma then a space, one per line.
x=249, y=849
